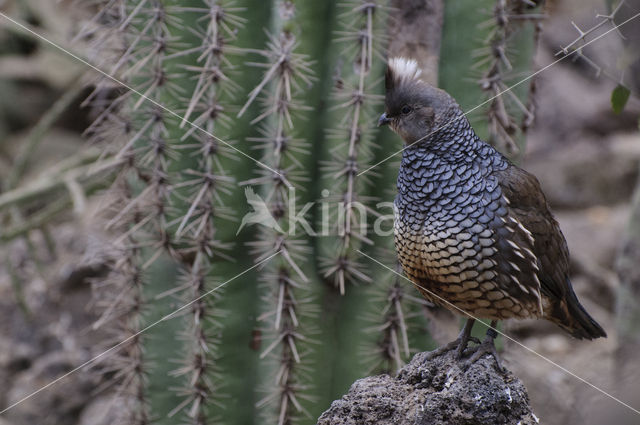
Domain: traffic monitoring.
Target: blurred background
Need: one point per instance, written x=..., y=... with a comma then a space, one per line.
x=57, y=251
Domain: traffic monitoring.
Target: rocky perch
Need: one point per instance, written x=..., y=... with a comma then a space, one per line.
x=435, y=392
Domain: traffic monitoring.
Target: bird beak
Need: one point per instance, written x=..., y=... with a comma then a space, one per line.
x=383, y=120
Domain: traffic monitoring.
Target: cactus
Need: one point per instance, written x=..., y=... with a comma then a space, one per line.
x=290, y=344
x=161, y=174
x=396, y=320
x=285, y=285
x=204, y=184
x=508, y=52
x=122, y=293
x=355, y=97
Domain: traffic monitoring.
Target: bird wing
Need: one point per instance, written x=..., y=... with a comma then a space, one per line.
x=529, y=207
x=478, y=249
x=509, y=246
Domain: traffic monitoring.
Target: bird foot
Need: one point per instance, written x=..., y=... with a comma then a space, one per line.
x=458, y=344
x=487, y=346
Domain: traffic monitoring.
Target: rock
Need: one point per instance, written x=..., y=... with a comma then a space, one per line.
x=58, y=404
x=435, y=392
x=105, y=410
x=572, y=175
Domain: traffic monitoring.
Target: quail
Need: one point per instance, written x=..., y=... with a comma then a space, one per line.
x=473, y=231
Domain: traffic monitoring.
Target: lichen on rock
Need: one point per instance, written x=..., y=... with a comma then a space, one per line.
x=435, y=392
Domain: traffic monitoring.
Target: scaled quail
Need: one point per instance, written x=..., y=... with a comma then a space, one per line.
x=473, y=231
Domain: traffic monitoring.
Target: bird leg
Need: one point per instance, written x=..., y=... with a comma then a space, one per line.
x=486, y=347
x=459, y=344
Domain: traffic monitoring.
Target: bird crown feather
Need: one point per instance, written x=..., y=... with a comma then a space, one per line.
x=402, y=70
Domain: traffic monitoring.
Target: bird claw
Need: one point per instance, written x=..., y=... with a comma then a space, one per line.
x=458, y=344
x=485, y=347
x=462, y=347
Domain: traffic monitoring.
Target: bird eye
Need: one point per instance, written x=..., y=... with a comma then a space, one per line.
x=406, y=109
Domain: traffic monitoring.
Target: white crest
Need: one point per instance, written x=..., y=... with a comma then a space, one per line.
x=404, y=69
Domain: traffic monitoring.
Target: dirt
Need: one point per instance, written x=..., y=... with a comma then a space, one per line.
x=50, y=334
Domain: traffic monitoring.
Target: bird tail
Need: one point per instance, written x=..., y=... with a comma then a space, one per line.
x=571, y=316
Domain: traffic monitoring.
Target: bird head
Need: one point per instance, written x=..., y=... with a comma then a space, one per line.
x=414, y=109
